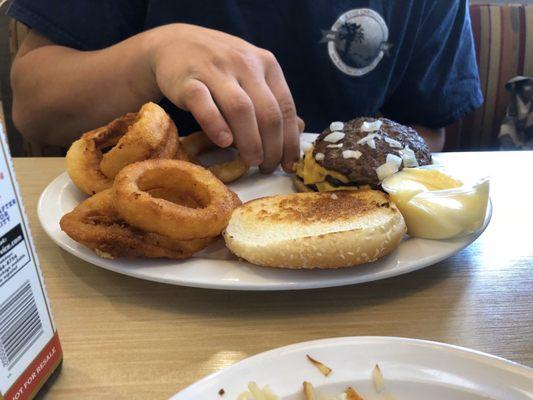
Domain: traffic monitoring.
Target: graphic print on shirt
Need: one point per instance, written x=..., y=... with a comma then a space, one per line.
x=357, y=41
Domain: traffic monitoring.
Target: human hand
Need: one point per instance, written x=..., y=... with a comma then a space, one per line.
x=235, y=90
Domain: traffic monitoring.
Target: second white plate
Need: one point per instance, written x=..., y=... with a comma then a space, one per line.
x=412, y=369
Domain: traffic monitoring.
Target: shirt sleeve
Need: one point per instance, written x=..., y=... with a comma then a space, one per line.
x=81, y=24
x=441, y=82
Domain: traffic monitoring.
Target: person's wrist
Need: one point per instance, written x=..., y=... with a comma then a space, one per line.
x=156, y=40
x=150, y=46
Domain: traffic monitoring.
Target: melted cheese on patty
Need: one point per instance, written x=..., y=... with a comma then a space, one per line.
x=313, y=173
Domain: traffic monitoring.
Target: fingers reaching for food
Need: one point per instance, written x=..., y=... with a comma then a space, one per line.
x=236, y=92
x=301, y=125
x=198, y=143
x=292, y=124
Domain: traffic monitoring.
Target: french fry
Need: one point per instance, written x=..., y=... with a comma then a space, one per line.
x=256, y=393
x=377, y=378
x=309, y=391
x=321, y=367
x=351, y=394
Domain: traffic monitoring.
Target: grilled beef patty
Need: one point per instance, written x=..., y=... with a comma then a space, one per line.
x=362, y=171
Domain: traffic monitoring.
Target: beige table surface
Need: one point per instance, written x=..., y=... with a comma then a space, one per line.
x=127, y=338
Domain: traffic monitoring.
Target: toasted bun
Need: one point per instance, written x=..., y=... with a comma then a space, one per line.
x=315, y=230
x=300, y=185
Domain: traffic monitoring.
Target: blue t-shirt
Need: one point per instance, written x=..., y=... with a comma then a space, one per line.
x=412, y=60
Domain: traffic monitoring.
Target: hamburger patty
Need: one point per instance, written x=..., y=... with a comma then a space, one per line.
x=362, y=171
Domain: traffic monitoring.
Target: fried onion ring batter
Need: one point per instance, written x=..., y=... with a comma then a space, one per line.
x=96, y=224
x=84, y=156
x=215, y=202
x=198, y=143
x=150, y=133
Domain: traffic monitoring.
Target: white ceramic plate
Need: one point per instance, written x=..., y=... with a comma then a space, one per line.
x=217, y=268
x=412, y=370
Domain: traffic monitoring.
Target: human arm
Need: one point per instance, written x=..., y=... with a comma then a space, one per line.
x=236, y=91
x=59, y=92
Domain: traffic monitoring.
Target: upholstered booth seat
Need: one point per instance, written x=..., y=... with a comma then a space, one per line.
x=503, y=37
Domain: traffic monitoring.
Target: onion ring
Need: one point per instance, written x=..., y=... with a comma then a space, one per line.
x=181, y=154
x=84, y=156
x=96, y=224
x=144, y=211
x=152, y=135
x=134, y=139
x=197, y=143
